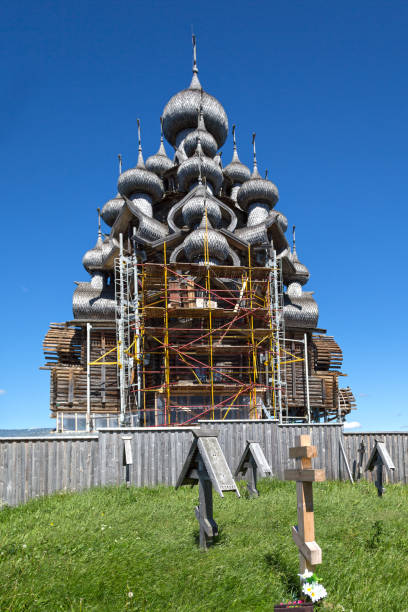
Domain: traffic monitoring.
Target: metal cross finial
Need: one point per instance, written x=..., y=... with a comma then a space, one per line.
x=195, y=69
x=161, y=129
x=140, y=161
x=138, y=134
x=266, y=173
x=233, y=138
x=294, y=238
x=120, y=163
x=99, y=223
x=253, y=144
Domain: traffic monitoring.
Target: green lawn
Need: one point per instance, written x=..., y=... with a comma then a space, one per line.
x=89, y=551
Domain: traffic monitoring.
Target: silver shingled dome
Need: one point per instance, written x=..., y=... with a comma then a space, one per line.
x=302, y=274
x=140, y=180
x=196, y=243
x=194, y=209
x=92, y=260
x=159, y=163
x=197, y=166
x=236, y=170
x=180, y=112
x=208, y=142
x=111, y=209
x=257, y=189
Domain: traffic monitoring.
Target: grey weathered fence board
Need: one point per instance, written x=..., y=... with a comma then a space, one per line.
x=31, y=467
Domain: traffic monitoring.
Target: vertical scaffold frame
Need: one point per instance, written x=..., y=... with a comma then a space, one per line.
x=240, y=316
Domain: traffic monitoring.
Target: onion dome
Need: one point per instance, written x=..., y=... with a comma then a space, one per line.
x=92, y=260
x=236, y=170
x=195, y=208
x=256, y=189
x=208, y=142
x=205, y=238
x=180, y=112
x=140, y=180
x=302, y=274
x=159, y=163
x=199, y=166
x=112, y=209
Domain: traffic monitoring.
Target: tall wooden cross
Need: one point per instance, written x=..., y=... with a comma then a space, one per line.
x=303, y=534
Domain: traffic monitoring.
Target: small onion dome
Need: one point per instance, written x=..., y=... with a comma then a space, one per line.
x=302, y=274
x=257, y=189
x=236, y=170
x=180, y=112
x=92, y=260
x=194, y=209
x=196, y=243
x=199, y=166
x=208, y=142
x=111, y=209
x=140, y=180
x=159, y=163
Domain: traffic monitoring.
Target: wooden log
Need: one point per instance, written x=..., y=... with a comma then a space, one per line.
x=302, y=451
x=307, y=475
x=311, y=551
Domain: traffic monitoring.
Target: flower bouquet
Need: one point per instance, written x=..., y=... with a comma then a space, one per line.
x=312, y=588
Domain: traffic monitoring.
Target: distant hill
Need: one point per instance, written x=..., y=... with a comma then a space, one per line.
x=22, y=433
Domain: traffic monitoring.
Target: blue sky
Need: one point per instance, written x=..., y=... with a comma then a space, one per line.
x=324, y=86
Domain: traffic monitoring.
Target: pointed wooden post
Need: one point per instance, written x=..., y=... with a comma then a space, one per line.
x=303, y=534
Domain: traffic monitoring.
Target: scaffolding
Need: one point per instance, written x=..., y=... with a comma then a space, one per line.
x=197, y=340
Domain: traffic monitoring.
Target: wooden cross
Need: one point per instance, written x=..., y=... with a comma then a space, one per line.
x=303, y=534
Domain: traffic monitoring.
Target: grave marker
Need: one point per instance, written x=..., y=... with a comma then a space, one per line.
x=303, y=534
x=127, y=457
x=253, y=465
x=380, y=458
x=206, y=466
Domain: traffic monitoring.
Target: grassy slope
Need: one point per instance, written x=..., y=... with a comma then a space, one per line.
x=88, y=551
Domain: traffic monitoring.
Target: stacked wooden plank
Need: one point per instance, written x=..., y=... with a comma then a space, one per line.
x=65, y=354
x=327, y=353
x=62, y=345
x=347, y=399
x=69, y=388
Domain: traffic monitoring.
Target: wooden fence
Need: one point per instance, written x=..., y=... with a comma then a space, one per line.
x=32, y=467
x=396, y=443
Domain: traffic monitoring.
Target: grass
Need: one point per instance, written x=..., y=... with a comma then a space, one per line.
x=88, y=551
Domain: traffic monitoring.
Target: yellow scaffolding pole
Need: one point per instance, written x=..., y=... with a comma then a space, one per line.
x=142, y=334
x=271, y=361
x=251, y=319
x=166, y=337
x=210, y=329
